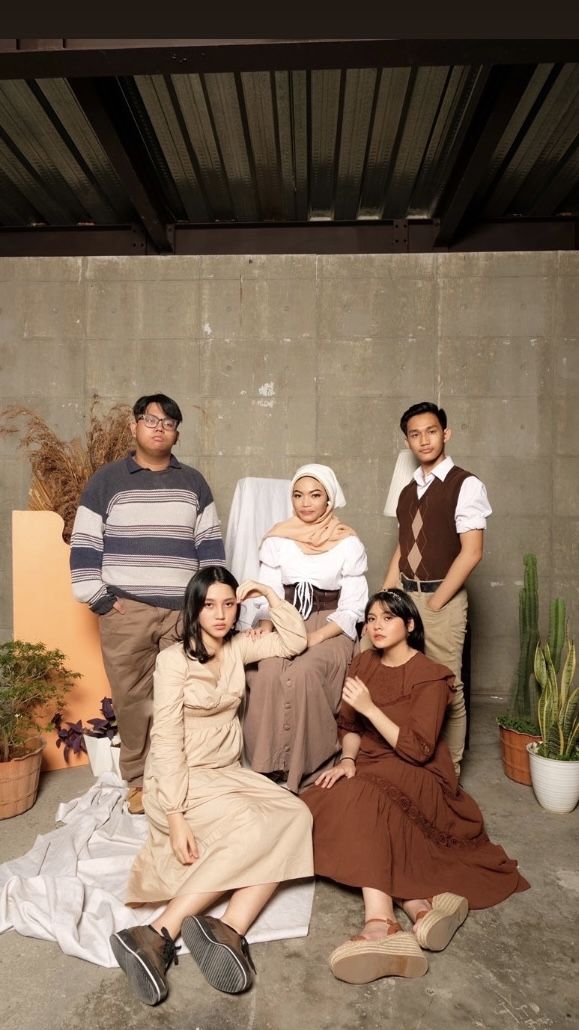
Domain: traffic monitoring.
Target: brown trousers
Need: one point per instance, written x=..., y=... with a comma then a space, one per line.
x=130, y=643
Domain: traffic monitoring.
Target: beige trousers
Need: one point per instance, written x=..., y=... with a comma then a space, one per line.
x=130, y=643
x=444, y=633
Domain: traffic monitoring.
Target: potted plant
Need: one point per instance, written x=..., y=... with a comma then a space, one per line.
x=102, y=742
x=31, y=676
x=518, y=726
x=99, y=740
x=555, y=760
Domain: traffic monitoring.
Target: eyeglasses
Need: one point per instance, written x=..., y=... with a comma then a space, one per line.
x=151, y=422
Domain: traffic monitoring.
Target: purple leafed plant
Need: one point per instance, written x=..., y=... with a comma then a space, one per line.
x=107, y=725
x=71, y=739
x=70, y=735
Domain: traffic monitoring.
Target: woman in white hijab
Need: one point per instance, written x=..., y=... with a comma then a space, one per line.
x=318, y=564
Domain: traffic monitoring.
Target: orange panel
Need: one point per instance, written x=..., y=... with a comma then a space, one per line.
x=46, y=611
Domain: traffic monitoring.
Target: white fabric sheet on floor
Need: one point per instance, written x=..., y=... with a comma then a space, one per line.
x=69, y=887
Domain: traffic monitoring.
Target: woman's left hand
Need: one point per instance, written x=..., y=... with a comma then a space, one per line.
x=331, y=776
x=357, y=695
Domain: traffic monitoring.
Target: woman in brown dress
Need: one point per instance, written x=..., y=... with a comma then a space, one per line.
x=318, y=564
x=390, y=817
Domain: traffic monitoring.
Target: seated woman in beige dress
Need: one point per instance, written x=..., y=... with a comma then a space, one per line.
x=318, y=564
x=214, y=826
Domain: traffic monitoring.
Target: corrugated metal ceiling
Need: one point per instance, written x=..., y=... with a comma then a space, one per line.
x=281, y=147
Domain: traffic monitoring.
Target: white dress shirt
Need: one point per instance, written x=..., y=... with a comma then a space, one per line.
x=472, y=506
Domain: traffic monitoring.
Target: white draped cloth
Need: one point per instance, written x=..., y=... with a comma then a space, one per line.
x=70, y=886
x=258, y=503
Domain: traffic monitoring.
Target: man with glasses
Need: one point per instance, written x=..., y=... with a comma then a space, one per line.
x=144, y=526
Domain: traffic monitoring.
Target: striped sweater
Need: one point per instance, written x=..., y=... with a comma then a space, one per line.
x=142, y=534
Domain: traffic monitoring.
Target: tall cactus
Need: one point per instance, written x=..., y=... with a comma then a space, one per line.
x=557, y=631
x=524, y=702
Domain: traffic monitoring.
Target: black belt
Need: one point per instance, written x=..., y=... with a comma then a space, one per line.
x=422, y=586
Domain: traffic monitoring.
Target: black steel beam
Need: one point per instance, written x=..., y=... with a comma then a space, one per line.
x=327, y=238
x=502, y=92
x=79, y=241
x=126, y=153
x=118, y=57
x=418, y=237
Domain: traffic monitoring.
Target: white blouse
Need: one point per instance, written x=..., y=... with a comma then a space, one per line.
x=342, y=568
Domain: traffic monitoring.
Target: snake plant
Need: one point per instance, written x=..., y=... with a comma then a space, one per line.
x=558, y=708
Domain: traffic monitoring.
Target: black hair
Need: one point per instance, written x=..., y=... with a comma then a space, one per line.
x=195, y=597
x=400, y=604
x=423, y=408
x=169, y=406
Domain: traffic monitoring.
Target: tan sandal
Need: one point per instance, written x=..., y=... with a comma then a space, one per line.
x=440, y=923
x=135, y=801
x=359, y=960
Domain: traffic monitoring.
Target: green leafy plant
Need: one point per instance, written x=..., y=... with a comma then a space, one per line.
x=31, y=676
x=558, y=704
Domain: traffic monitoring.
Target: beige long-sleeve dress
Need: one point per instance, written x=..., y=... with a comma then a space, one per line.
x=247, y=829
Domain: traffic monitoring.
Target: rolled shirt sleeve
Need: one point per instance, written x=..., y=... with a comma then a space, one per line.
x=472, y=508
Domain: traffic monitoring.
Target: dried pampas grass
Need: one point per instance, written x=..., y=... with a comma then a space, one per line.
x=61, y=468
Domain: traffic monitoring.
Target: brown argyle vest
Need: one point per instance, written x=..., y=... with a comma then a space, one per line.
x=428, y=539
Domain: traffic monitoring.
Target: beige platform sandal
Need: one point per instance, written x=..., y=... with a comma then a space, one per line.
x=359, y=960
x=440, y=923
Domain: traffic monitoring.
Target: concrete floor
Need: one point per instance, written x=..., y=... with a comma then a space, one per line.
x=508, y=968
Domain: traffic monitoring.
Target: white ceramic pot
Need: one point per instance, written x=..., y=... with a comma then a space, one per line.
x=556, y=784
x=103, y=756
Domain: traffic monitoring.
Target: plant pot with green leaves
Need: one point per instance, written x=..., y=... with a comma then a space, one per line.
x=31, y=677
x=555, y=761
x=518, y=726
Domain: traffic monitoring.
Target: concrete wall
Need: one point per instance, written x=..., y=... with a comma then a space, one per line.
x=276, y=360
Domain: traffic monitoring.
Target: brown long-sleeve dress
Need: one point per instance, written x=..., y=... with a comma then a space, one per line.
x=402, y=824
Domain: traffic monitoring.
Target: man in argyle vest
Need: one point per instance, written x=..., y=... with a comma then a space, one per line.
x=442, y=516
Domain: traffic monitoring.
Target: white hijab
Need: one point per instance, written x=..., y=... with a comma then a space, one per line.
x=327, y=477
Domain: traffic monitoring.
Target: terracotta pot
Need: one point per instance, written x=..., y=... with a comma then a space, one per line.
x=514, y=754
x=555, y=783
x=19, y=782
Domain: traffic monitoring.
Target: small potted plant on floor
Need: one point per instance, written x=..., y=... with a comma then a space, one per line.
x=555, y=761
x=102, y=742
x=99, y=740
x=31, y=676
x=518, y=726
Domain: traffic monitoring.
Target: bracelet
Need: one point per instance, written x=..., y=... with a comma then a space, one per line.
x=346, y=758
